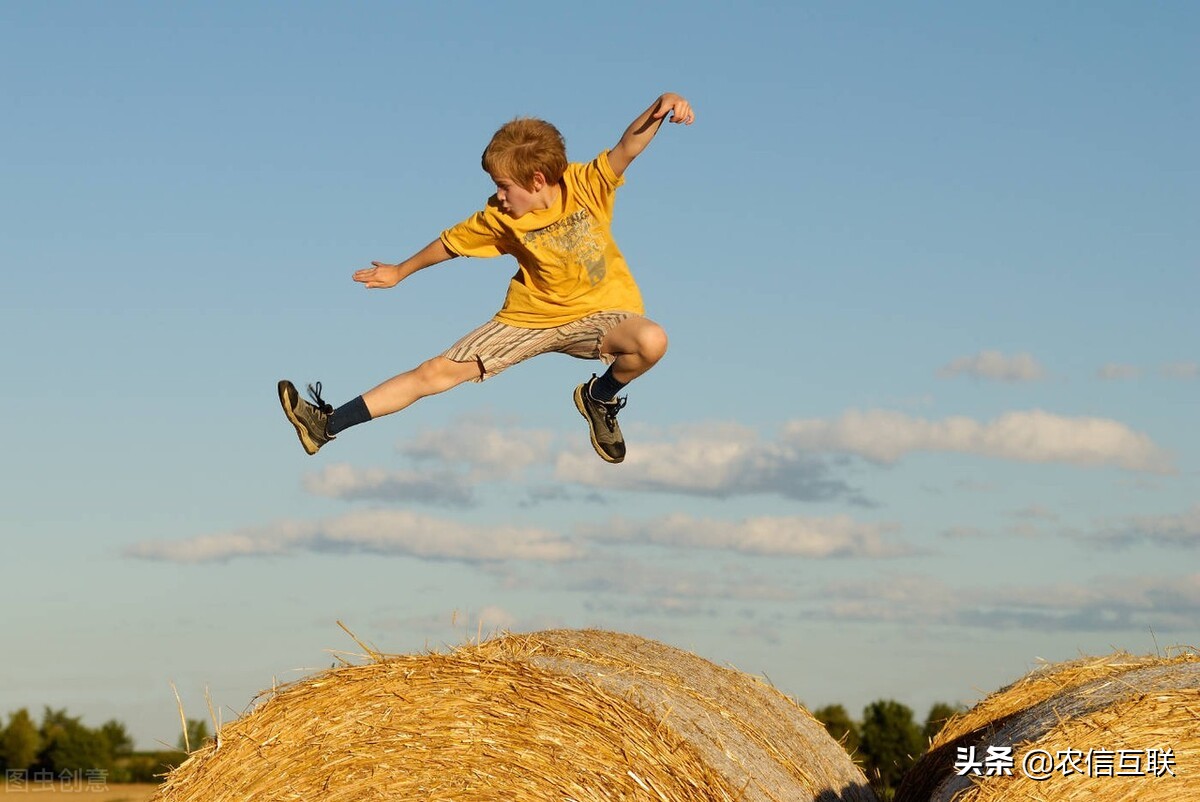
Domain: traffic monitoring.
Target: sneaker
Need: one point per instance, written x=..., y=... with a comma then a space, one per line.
x=602, y=420
x=310, y=420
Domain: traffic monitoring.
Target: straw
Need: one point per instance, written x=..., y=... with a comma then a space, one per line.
x=562, y=715
x=1119, y=705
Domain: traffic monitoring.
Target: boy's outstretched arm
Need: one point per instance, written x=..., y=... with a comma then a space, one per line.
x=639, y=133
x=382, y=275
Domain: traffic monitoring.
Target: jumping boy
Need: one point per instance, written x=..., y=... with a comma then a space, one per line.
x=572, y=294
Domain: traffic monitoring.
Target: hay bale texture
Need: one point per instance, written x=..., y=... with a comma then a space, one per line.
x=546, y=717
x=1114, y=704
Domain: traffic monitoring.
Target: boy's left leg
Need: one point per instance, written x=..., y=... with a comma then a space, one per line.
x=316, y=422
x=635, y=345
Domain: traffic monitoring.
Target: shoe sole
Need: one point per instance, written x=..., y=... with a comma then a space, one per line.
x=591, y=432
x=289, y=405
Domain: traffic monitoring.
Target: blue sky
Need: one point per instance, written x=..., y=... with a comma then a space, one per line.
x=929, y=272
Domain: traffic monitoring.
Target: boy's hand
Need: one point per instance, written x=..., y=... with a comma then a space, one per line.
x=379, y=277
x=639, y=133
x=675, y=105
x=382, y=275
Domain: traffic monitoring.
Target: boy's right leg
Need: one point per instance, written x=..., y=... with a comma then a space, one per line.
x=317, y=423
x=431, y=377
x=311, y=421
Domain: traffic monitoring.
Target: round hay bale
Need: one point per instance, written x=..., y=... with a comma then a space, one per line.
x=559, y=715
x=1106, y=722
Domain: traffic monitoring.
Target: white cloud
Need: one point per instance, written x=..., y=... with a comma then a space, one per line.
x=995, y=366
x=714, y=460
x=492, y=617
x=1026, y=530
x=1184, y=371
x=456, y=626
x=1114, y=371
x=617, y=586
x=963, y=533
x=906, y=599
x=557, y=493
x=1036, y=512
x=494, y=451
x=974, y=486
x=387, y=532
x=756, y=633
x=651, y=606
x=790, y=536
x=431, y=487
x=1181, y=370
x=624, y=577
x=1182, y=529
x=1107, y=603
x=1033, y=436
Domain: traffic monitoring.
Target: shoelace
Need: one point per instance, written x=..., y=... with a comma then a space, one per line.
x=611, y=408
x=314, y=392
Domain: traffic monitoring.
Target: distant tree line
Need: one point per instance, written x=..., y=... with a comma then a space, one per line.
x=61, y=745
x=887, y=741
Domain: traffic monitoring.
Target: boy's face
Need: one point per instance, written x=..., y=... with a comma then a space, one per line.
x=514, y=199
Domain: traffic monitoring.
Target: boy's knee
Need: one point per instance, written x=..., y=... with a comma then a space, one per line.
x=652, y=342
x=430, y=368
x=441, y=373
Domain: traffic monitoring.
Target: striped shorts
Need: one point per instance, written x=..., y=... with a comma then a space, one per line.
x=496, y=346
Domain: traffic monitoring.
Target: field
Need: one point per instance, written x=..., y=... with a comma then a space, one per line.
x=114, y=792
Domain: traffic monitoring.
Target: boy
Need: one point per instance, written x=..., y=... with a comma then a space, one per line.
x=572, y=293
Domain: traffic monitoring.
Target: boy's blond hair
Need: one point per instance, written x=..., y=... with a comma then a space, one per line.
x=523, y=147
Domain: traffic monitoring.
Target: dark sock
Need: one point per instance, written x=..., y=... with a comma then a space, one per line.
x=348, y=414
x=606, y=387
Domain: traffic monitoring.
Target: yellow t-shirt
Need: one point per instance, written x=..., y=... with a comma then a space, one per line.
x=568, y=264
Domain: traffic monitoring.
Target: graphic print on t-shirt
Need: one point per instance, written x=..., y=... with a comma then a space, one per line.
x=574, y=240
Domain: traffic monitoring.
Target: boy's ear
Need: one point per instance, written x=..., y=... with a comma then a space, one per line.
x=539, y=181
